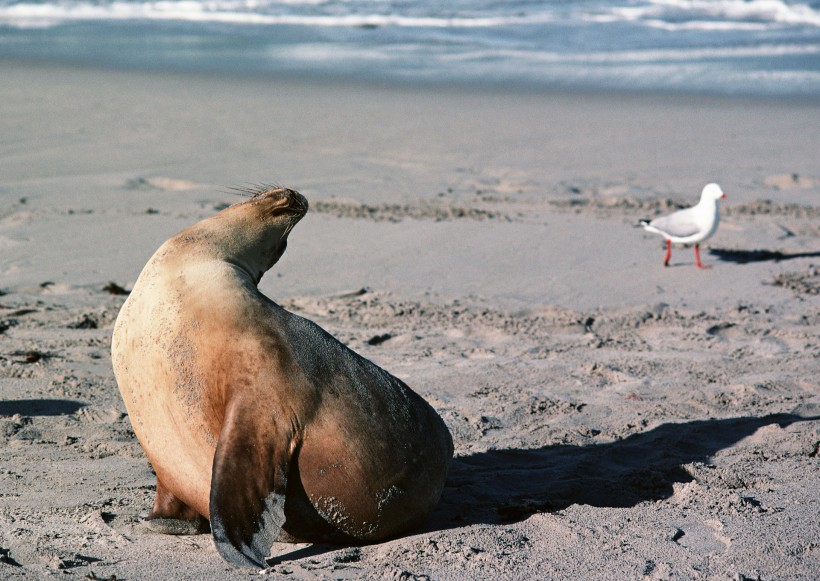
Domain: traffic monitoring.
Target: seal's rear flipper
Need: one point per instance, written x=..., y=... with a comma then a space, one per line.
x=171, y=516
x=248, y=485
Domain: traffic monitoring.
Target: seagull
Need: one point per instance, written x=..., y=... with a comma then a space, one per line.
x=691, y=225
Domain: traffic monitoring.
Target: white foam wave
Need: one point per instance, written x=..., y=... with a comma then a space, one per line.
x=239, y=12
x=712, y=14
x=673, y=15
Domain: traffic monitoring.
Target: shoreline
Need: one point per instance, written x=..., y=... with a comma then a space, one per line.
x=418, y=85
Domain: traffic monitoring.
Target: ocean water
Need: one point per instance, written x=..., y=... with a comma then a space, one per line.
x=741, y=47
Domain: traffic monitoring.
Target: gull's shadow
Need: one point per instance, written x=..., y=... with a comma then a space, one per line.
x=747, y=256
x=39, y=407
x=504, y=486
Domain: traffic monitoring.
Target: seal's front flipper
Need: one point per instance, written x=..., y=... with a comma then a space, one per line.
x=248, y=485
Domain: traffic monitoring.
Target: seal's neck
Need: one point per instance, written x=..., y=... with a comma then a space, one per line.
x=251, y=246
x=257, y=253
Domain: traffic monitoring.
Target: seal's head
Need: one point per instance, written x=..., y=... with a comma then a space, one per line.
x=253, y=234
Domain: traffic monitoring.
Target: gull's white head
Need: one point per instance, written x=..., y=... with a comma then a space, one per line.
x=712, y=192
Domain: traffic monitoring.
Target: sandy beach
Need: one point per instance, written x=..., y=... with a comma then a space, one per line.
x=612, y=418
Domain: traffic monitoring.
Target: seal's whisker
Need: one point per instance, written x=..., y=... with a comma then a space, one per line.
x=289, y=227
x=236, y=192
x=252, y=190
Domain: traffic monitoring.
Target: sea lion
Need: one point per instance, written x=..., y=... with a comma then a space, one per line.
x=256, y=418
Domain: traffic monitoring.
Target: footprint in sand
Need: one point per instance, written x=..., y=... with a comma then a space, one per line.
x=703, y=538
x=790, y=181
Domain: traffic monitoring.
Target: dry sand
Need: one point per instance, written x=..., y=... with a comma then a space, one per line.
x=613, y=419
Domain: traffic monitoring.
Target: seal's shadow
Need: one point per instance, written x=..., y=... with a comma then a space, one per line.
x=747, y=256
x=39, y=407
x=505, y=486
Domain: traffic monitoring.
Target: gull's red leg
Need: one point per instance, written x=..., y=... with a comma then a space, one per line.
x=668, y=253
x=697, y=257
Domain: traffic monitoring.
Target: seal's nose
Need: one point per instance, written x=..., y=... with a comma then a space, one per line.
x=281, y=202
x=297, y=202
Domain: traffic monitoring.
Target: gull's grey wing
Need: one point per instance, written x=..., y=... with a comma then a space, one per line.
x=680, y=224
